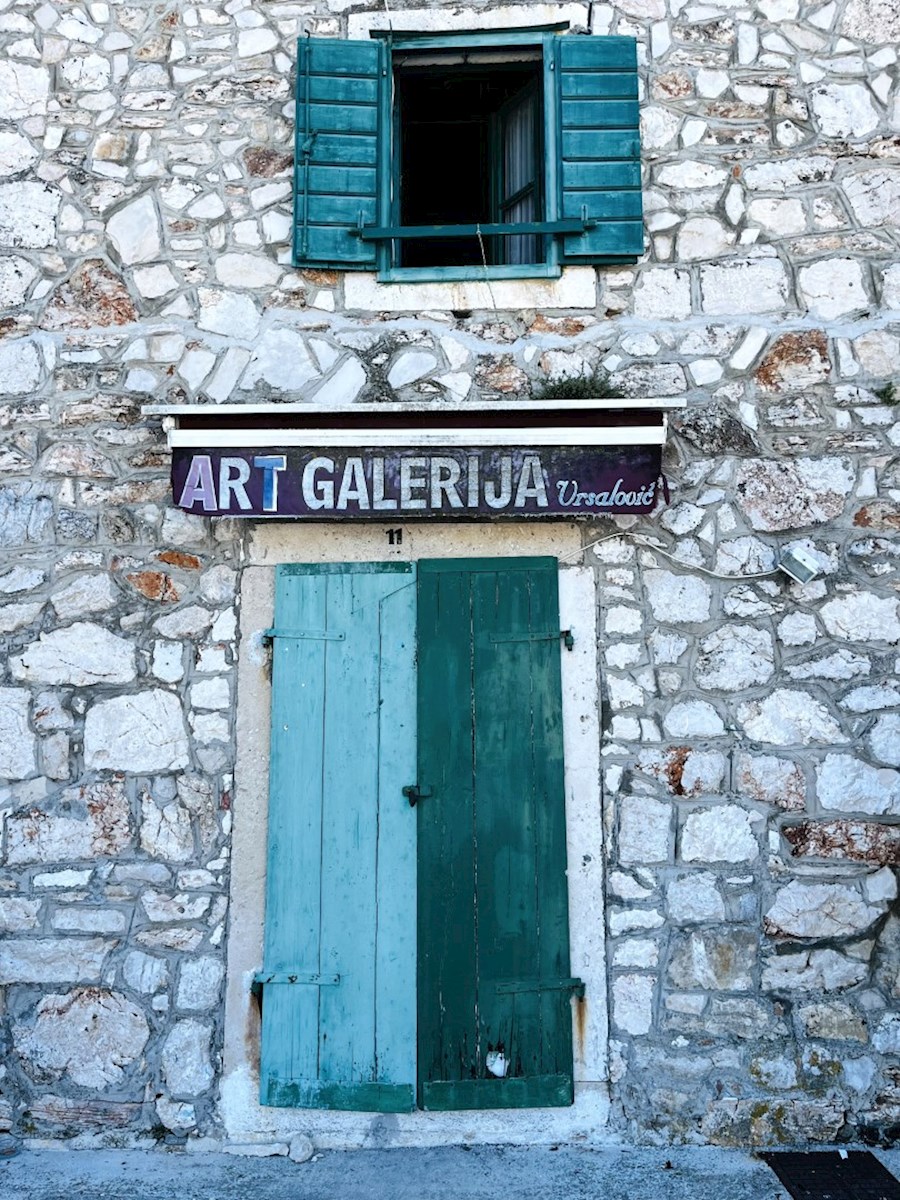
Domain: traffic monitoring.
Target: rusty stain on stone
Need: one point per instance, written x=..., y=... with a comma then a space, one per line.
x=858, y=841
x=155, y=585
x=878, y=515
x=178, y=558
x=92, y=295
x=267, y=163
x=795, y=360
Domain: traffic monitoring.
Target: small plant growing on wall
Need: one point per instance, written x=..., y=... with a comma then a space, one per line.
x=595, y=386
x=888, y=394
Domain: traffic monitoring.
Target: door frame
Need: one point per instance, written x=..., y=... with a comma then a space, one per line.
x=242, y=1115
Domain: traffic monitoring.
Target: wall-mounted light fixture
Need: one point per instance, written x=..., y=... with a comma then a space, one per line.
x=799, y=564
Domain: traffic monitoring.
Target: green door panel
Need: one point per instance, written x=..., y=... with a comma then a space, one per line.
x=341, y=881
x=492, y=829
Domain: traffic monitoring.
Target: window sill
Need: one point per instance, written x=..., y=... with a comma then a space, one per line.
x=467, y=274
x=576, y=287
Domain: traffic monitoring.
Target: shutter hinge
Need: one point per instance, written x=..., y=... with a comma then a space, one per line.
x=568, y=638
x=312, y=635
x=311, y=979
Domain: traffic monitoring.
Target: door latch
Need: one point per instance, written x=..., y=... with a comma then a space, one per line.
x=414, y=793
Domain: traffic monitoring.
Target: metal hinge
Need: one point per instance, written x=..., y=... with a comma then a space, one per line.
x=567, y=636
x=575, y=986
x=312, y=635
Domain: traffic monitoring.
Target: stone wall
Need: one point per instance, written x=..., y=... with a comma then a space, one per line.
x=752, y=725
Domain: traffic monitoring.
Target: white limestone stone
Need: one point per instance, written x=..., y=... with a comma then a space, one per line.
x=176, y=1115
x=166, y=830
x=780, y=216
x=890, y=293
x=693, y=718
x=819, y=910
x=163, y=908
x=88, y=1037
x=86, y=72
x=703, y=237
x=632, y=997
x=231, y=315
x=186, y=622
x=281, y=360
x=798, y=629
x=833, y=287
x=87, y=594
x=789, y=718
x=819, y=970
x=17, y=616
x=167, y=663
x=17, y=742
x=871, y=698
x=350, y=378
x=18, y=914
x=734, y=658
x=134, y=231
x=846, y=784
x=141, y=732
x=208, y=208
x=860, y=616
x=24, y=90
x=677, y=599
x=145, y=973
x=886, y=1036
x=409, y=366
x=874, y=195
x=878, y=352
x=690, y=175
x=154, y=282
x=695, y=898
x=211, y=694
x=711, y=83
x=17, y=154
x=644, y=830
x=884, y=739
x=28, y=215
x=199, y=983
x=844, y=110
x=749, y=348
x=186, y=1066
x=663, y=293
x=301, y=1148
x=873, y=21
x=880, y=886
x=80, y=654
x=752, y=285
x=721, y=834
x=659, y=127
x=20, y=367
x=777, y=495
x=247, y=271
x=623, y=619
x=256, y=41
x=16, y=277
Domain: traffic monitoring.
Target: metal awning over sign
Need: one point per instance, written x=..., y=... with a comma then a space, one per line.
x=379, y=462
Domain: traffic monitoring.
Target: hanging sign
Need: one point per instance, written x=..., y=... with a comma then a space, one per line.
x=381, y=484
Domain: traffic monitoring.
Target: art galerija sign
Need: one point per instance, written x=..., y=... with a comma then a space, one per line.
x=415, y=483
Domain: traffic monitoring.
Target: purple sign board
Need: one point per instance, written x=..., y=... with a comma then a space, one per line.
x=384, y=484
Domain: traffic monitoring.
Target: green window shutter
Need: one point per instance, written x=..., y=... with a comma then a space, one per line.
x=493, y=975
x=336, y=154
x=338, y=980
x=599, y=146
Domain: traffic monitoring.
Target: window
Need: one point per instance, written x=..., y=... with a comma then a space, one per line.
x=447, y=157
x=417, y=954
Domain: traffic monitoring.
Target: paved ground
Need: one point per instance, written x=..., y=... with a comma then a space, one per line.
x=482, y=1173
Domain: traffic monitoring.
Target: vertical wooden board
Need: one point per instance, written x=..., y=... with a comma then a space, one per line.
x=446, y=917
x=349, y=829
x=507, y=909
x=290, y=1013
x=395, y=940
x=550, y=827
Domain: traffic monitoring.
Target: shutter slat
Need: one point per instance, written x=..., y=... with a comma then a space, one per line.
x=599, y=139
x=338, y=90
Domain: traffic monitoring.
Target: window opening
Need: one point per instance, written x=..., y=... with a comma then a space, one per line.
x=469, y=131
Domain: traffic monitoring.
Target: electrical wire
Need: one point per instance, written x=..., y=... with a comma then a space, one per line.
x=642, y=540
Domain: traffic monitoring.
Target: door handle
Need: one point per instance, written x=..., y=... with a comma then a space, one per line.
x=414, y=793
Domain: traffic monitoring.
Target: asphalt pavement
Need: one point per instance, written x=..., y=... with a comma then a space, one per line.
x=454, y=1173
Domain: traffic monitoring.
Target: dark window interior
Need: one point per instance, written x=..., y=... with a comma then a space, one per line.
x=460, y=128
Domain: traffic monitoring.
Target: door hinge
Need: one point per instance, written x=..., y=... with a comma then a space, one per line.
x=313, y=635
x=414, y=793
x=568, y=638
x=510, y=987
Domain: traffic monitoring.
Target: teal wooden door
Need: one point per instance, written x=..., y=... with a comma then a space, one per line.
x=493, y=962
x=338, y=979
